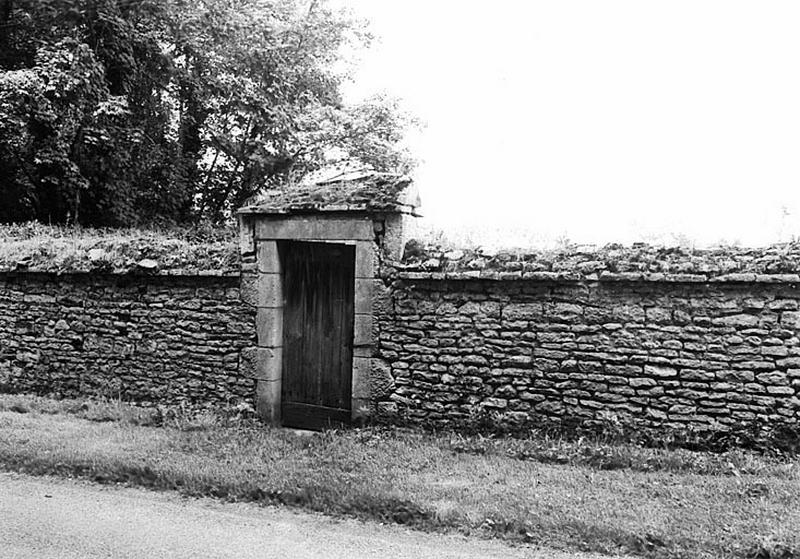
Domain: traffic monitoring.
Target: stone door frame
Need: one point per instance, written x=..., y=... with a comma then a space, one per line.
x=267, y=231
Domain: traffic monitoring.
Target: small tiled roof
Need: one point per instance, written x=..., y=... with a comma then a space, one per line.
x=362, y=192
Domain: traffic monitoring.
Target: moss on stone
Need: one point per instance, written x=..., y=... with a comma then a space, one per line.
x=34, y=247
x=373, y=192
x=776, y=263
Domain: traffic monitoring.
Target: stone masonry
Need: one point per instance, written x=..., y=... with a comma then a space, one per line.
x=651, y=337
x=263, y=287
x=145, y=339
x=366, y=212
x=665, y=354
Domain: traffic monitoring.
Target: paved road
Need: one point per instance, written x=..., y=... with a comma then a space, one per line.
x=51, y=518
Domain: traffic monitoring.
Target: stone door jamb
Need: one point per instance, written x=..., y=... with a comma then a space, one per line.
x=268, y=231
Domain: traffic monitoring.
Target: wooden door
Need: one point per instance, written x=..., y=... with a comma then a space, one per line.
x=318, y=334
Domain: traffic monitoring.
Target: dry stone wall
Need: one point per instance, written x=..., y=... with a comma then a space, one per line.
x=146, y=339
x=658, y=338
x=677, y=353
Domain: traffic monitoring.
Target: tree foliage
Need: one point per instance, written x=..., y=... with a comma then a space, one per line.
x=117, y=112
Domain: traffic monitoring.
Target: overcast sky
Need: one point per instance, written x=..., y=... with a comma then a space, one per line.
x=599, y=120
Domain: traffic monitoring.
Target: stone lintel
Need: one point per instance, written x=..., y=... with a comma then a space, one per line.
x=305, y=228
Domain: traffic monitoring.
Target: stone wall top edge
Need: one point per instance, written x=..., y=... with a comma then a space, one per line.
x=202, y=275
x=639, y=262
x=571, y=277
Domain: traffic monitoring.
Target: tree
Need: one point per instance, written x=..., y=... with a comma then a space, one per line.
x=115, y=112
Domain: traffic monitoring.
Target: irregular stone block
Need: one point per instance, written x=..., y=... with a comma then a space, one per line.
x=522, y=311
x=549, y=408
x=773, y=378
x=737, y=376
x=496, y=403
x=642, y=382
x=381, y=380
x=248, y=289
x=737, y=320
x=660, y=371
x=781, y=390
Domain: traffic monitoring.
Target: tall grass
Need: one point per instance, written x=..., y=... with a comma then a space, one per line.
x=682, y=504
x=46, y=248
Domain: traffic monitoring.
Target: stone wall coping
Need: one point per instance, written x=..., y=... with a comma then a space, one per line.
x=612, y=263
x=188, y=273
x=38, y=248
x=222, y=274
x=492, y=275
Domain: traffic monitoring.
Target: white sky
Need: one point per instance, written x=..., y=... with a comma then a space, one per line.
x=599, y=121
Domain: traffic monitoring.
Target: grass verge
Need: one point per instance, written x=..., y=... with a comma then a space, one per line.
x=653, y=503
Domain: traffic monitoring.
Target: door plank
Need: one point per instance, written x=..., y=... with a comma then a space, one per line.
x=318, y=331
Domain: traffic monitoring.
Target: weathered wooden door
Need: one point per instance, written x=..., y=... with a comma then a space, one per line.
x=318, y=334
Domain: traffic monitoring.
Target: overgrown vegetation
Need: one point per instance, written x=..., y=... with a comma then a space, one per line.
x=49, y=248
x=119, y=112
x=600, y=497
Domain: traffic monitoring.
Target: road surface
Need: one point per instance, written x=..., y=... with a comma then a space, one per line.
x=50, y=518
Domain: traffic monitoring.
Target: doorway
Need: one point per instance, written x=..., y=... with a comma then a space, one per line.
x=316, y=385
